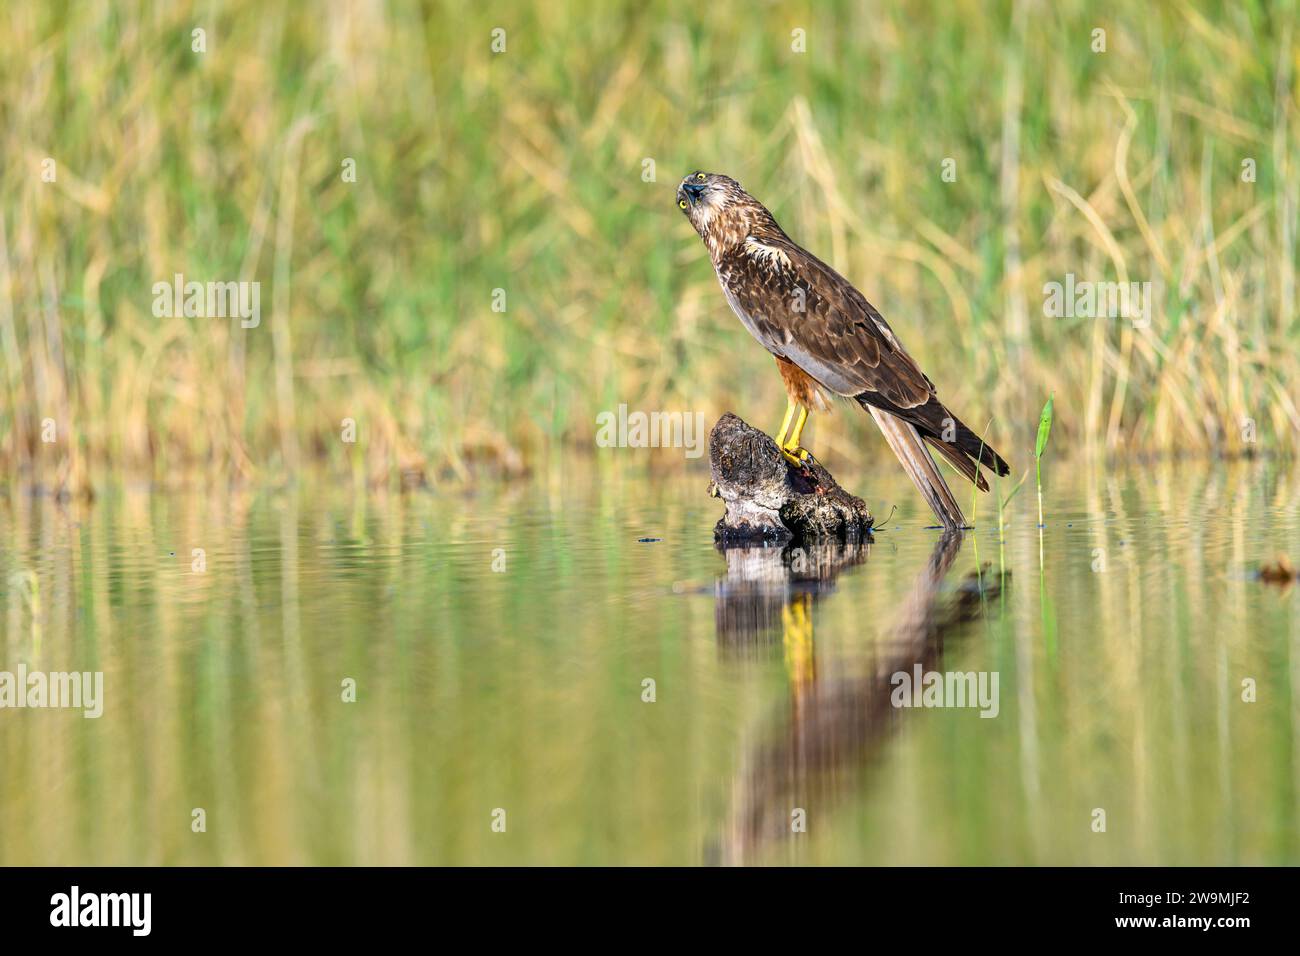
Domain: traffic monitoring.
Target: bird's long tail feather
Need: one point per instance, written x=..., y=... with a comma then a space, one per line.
x=908, y=445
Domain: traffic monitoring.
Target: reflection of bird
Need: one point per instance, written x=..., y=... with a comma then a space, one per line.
x=819, y=749
x=828, y=338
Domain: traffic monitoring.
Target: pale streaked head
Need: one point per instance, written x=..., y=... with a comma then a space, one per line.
x=719, y=209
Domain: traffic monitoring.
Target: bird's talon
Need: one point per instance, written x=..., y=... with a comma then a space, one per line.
x=799, y=457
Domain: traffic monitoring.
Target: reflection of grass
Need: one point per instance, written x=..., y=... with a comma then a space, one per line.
x=523, y=171
x=1049, y=614
x=25, y=594
x=1003, y=502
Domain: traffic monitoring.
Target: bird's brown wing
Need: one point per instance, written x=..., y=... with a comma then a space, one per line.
x=842, y=341
x=839, y=338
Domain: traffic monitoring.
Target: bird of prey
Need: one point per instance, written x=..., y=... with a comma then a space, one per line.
x=828, y=340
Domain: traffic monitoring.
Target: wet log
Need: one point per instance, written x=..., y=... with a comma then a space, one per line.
x=768, y=499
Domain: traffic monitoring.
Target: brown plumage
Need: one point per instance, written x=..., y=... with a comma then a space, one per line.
x=827, y=338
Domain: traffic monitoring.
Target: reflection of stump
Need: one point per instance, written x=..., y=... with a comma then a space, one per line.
x=768, y=498
x=762, y=581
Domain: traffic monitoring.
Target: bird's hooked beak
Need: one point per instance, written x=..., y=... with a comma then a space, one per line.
x=694, y=191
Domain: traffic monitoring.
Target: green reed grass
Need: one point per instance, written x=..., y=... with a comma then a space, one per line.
x=524, y=171
x=1040, y=446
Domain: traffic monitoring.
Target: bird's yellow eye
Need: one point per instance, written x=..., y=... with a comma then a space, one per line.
x=701, y=177
x=681, y=204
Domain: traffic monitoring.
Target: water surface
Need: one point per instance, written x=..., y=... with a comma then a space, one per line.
x=500, y=643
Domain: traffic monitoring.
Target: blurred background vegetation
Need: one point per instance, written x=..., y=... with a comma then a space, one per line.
x=523, y=171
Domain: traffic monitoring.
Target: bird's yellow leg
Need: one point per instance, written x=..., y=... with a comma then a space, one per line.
x=785, y=424
x=790, y=446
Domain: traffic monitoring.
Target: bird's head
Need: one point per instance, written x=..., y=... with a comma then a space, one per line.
x=704, y=196
x=719, y=209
